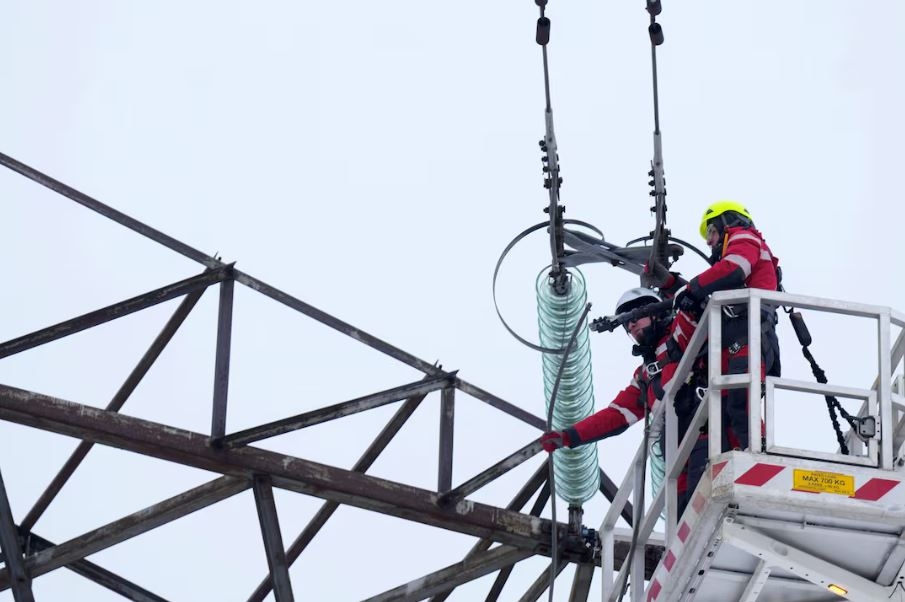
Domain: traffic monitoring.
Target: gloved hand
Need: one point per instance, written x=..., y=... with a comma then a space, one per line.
x=655, y=275
x=687, y=302
x=553, y=440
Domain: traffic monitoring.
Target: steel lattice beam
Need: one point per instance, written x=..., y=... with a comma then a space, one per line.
x=514, y=459
x=447, y=428
x=109, y=212
x=581, y=583
x=119, y=399
x=543, y=582
x=521, y=498
x=17, y=574
x=288, y=472
x=273, y=540
x=326, y=511
x=471, y=568
x=129, y=526
x=221, y=367
x=99, y=575
x=112, y=312
x=339, y=410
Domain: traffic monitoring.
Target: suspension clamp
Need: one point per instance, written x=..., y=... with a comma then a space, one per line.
x=592, y=543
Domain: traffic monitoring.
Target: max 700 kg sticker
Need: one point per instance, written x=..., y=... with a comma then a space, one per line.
x=818, y=481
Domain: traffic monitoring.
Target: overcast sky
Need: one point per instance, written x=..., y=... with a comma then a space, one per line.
x=374, y=159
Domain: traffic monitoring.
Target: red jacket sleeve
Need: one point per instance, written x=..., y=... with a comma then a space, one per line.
x=741, y=251
x=625, y=410
x=680, y=331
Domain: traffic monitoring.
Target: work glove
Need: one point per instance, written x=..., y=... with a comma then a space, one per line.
x=553, y=440
x=687, y=302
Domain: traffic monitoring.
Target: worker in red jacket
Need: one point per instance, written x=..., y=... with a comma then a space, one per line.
x=660, y=341
x=740, y=258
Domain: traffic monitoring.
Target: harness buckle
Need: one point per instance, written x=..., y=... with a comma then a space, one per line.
x=653, y=368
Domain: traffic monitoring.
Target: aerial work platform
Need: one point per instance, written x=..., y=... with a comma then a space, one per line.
x=749, y=534
x=777, y=523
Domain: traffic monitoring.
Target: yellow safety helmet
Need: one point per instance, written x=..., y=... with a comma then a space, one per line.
x=719, y=208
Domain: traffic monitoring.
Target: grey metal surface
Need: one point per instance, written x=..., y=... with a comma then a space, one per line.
x=332, y=412
x=119, y=399
x=273, y=540
x=521, y=498
x=328, y=508
x=100, y=575
x=17, y=575
x=221, y=366
x=111, y=312
x=127, y=527
x=447, y=427
x=288, y=472
x=581, y=583
x=516, y=458
x=472, y=567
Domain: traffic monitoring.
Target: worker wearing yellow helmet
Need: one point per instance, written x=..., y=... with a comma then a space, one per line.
x=721, y=208
x=740, y=258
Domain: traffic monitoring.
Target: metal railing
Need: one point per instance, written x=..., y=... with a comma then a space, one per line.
x=879, y=401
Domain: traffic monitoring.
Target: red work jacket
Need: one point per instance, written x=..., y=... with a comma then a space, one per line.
x=647, y=385
x=745, y=262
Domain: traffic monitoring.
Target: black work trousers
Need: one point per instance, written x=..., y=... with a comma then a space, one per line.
x=735, y=354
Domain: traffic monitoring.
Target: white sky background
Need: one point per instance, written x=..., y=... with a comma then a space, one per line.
x=373, y=159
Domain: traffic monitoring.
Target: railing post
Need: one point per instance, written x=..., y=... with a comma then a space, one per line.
x=607, y=535
x=755, y=357
x=669, y=481
x=607, y=568
x=636, y=569
x=884, y=391
x=714, y=363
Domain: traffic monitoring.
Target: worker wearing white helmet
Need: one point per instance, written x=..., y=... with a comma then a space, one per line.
x=660, y=341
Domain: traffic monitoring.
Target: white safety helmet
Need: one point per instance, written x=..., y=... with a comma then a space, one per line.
x=636, y=297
